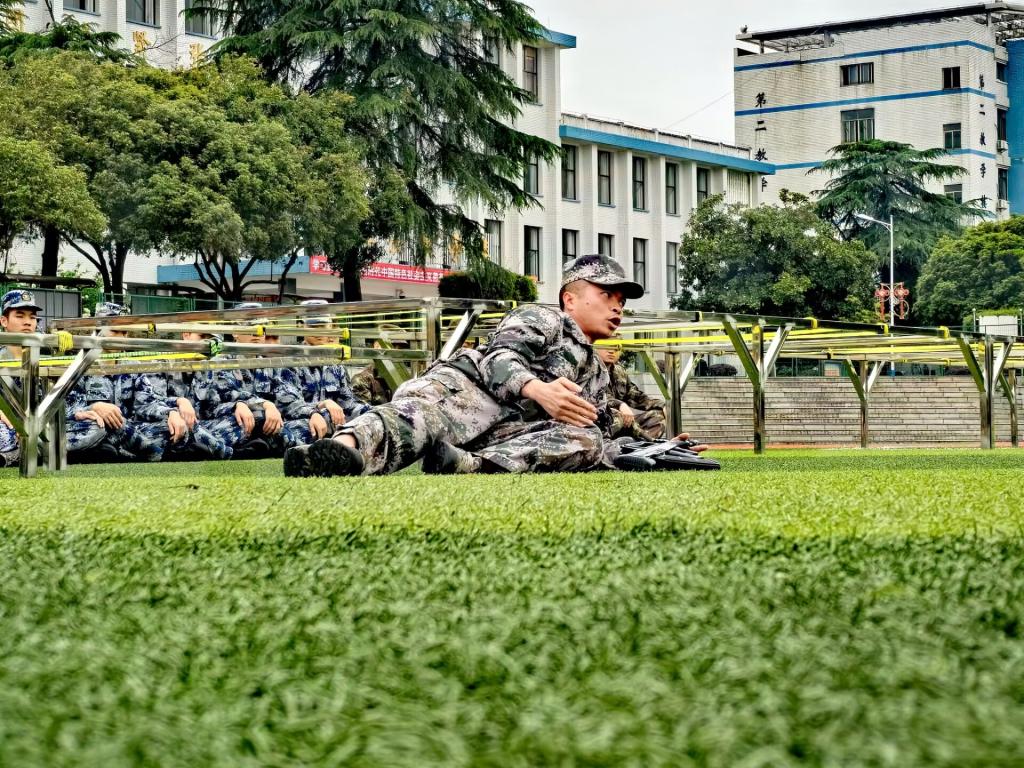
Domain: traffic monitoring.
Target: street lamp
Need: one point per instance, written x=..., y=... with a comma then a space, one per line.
x=892, y=259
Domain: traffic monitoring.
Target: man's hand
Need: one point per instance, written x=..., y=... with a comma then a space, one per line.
x=188, y=413
x=244, y=417
x=89, y=416
x=318, y=426
x=686, y=436
x=111, y=414
x=272, y=421
x=562, y=402
x=176, y=426
x=627, y=415
x=337, y=414
x=5, y=421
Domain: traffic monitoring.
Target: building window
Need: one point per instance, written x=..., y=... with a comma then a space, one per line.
x=531, y=176
x=1001, y=124
x=199, y=25
x=858, y=74
x=640, y=262
x=858, y=125
x=569, y=173
x=672, y=268
x=531, y=262
x=492, y=50
x=1001, y=71
x=492, y=240
x=89, y=6
x=569, y=239
x=955, y=191
x=531, y=70
x=639, y=184
x=606, y=245
x=671, y=188
x=144, y=11
x=604, y=178
x=1004, y=183
x=703, y=184
x=951, y=135
x=950, y=78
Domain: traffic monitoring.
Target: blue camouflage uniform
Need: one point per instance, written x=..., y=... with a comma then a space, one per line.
x=10, y=446
x=145, y=434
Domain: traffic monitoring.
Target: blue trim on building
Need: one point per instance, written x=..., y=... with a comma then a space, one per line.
x=816, y=163
x=176, y=273
x=1015, y=123
x=661, y=148
x=866, y=100
x=863, y=54
x=558, y=38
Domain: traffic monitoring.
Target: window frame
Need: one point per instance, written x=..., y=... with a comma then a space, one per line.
x=703, y=194
x=1001, y=128
x=862, y=120
x=951, y=78
x=527, y=232
x=954, y=191
x=490, y=48
x=489, y=238
x=862, y=73
x=73, y=6
x=531, y=172
x=570, y=237
x=1003, y=183
x=640, y=247
x=605, y=179
x=602, y=238
x=152, y=6
x=1001, y=68
x=952, y=136
x=639, y=183
x=672, y=190
x=531, y=78
x=671, y=268
x=569, y=174
x=206, y=24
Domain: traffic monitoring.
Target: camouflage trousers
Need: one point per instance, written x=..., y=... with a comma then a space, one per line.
x=136, y=439
x=9, y=445
x=444, y=404
x=647, y=425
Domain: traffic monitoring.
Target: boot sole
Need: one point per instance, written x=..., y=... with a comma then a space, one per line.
x=296, y=463
x=329, y=458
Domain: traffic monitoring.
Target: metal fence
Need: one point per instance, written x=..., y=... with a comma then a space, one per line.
x=55, y=303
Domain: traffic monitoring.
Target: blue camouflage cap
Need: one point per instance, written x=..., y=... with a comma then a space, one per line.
x=110, y=309
x=601, y=270
x=19, y=299
x=319, y=319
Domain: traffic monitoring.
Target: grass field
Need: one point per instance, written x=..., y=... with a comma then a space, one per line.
x=833, y=608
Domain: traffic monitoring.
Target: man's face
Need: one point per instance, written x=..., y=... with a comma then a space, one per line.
x=610, y=355
x=319, y=341
x=597, y=309
x=191, y=336
x=19, y=321
x=245, y=338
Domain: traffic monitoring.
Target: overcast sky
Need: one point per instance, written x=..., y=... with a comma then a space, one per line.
x=668, y=63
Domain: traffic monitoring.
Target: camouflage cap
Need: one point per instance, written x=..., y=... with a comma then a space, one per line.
x=110, y=309
x=251, y=305
x=19, y=299
x=601, y=270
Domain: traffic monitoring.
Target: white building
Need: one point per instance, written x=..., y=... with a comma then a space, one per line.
x=931, y=79
x=620, y=189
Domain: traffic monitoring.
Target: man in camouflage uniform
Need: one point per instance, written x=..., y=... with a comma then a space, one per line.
x=120, y=416
x=532, y=399
x=643, y=416
x=18, y=314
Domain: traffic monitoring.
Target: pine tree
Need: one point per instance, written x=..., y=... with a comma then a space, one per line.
x=430, y=111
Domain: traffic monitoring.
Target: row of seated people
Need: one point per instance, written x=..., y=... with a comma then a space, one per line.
x=236, y=413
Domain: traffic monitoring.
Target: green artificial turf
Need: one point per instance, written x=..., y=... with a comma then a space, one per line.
x=836, y=608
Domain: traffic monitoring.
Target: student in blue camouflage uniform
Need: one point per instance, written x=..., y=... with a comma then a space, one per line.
x=532, y=399
x=323, y=390
x=18, y=314
x=121, y=415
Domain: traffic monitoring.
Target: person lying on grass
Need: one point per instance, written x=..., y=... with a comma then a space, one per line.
x=533, y=399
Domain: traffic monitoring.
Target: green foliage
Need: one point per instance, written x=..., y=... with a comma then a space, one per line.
x=37, y=191
x=10, y=17
x=430, y=112
x=68, y=34
x=486, y=280
x=772, y=260
x=983, y=267
x=789, y=610
x=887, y=178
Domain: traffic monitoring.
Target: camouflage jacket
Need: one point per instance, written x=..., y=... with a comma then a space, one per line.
x=216, y=393
x=308, y=386
x=622, y=390
x=535, y=342
x=133, y=393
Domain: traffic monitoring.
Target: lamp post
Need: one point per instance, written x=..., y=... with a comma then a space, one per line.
x=892, y=261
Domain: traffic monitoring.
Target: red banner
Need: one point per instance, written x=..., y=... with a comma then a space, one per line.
x=382, y=270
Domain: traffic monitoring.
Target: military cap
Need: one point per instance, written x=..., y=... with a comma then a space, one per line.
x=110, y=309
x=251, y=305
x=19, y=299
x=319, y=319
x=601, y=270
